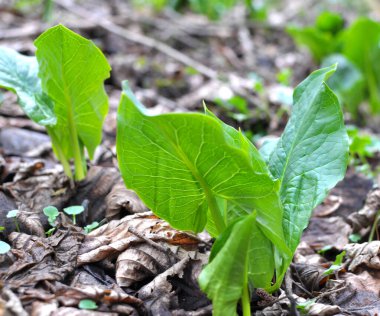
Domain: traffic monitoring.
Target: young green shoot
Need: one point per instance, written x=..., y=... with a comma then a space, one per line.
x=89, y=228
x=74, y=211
x=51, y=212
x=374, y=226
x=13, y=214
x=87, y=304
x=62, y=88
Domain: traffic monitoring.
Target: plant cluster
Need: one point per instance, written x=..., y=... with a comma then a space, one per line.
x=62, y=89
x=191, y=169
x=356, y=49
x=198, y=173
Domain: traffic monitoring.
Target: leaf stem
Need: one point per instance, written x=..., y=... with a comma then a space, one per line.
x=374, y=226
x=60, y=155
x=215, y=213
x=245, y=301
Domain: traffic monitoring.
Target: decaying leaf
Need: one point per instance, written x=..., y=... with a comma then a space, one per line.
x=365, y=254
x=158, y=295
x=362, y=220
x=41, y=259
x=331, y=231
x=10, y=304
x=116, y=236
x=121, y=201
x=95, y=188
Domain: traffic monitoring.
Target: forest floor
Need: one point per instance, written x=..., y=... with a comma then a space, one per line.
x=135, y=263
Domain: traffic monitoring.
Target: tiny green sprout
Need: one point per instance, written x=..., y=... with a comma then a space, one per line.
x=74, y=210
x=337, y=265
x=51, y=212
x=50, y=232
x=87, y=304
x=13, y=214
x=4, y=247
x=2, y=228
x=354, y=238
x=325, y=249
x=303, y=307
x=91, y=227
x=284, y=76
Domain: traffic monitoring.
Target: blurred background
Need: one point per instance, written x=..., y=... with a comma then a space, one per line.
x=242, y=57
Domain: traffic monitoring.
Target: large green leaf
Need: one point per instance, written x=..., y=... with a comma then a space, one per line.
x=19, y=74
x=181, y=165
x=241, y=254
x=72, y=71
x=311, y=156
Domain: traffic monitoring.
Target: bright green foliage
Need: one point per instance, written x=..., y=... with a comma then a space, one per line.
x=4, y=247
x=321, y=39
x=303, y=160
x=63, y=90
x=337, y=265
x=195, y=172
x=89, y=228
x=348, y=82
x=74, y=211
x=19, y=74
x=72, y=71
x=51, y=212
x=359, y=70
x=361, y=46
x=87, y=304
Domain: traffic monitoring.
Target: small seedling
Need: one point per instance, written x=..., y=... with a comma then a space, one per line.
x=325, y=249
x=87, y=304
x=91, y=227
x=51, y=212
x=4, y=247
x=2, y=228
x=337, y=265
x=303, y=307
x=74, y=211
x=13, y=214
x=50, y=232
x=354, y=238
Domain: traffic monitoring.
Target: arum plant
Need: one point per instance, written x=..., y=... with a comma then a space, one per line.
x=198, y=173
x=62, y=89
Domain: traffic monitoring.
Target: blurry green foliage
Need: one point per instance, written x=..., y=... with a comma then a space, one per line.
x=358, y=46
x=213, y=9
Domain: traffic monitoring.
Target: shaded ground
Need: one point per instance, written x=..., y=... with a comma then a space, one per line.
x=135, y=264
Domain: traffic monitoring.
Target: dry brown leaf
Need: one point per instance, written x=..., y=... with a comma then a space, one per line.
x=331, y=231
x=115, y=237
x=318, y=309
x=10, y=304
x=362, y=220
x=40, y=259
x=97, y=185
x=365, y=254
x=121, y=201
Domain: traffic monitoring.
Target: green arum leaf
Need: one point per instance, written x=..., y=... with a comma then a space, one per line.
x=312, y=153
x=182, y=165
x=72, y=71
x=19, y=74
x=241, y=255
x=361, y=46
